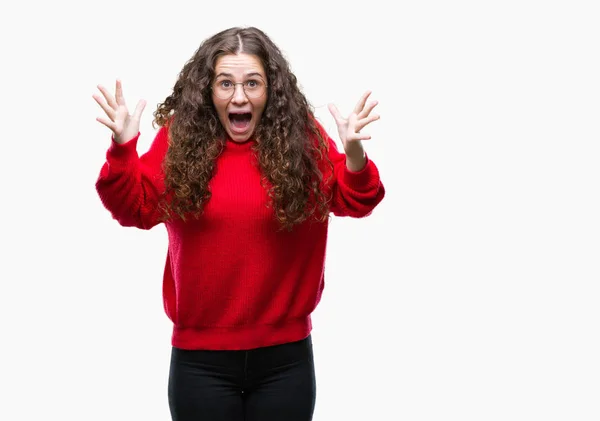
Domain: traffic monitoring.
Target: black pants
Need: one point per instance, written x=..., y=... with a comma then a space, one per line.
x=275, y=383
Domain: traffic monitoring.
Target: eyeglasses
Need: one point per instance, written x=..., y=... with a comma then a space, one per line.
x=253, y=88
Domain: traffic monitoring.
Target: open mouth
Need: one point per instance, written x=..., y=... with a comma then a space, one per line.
x=240, y=121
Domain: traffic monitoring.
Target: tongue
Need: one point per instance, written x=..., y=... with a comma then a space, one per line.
x=240, y=121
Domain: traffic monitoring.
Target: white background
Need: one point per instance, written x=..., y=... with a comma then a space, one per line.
x=471, y=293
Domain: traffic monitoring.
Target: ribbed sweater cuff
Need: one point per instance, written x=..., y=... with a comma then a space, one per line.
x=125, y=152
x=361, y=180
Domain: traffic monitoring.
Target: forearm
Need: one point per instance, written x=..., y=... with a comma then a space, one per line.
x=128, y=188
x=356, y=158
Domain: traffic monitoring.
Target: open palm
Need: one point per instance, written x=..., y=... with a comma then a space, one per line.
x=349, y=127
x=123, y=125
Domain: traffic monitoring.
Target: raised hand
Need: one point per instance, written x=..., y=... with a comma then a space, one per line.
x=123, y=125
x=349, y=127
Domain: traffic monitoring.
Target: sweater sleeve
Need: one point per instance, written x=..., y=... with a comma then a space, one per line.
x=130, y=186
x=354, y=194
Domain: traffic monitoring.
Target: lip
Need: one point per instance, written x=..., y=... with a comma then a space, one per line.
x=241, y=132
x=237, y=131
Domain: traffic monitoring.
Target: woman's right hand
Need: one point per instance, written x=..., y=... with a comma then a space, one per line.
x=123, y=125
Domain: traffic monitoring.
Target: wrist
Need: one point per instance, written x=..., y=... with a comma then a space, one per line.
x=356, y=157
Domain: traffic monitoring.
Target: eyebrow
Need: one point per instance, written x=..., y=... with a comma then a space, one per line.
x=247, y=75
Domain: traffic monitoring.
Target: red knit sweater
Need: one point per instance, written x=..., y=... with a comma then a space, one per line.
x=232, y=280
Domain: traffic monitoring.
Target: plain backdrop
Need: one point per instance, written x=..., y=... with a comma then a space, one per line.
x=471, y=293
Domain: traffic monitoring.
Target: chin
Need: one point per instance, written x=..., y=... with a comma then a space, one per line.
x=239, y=138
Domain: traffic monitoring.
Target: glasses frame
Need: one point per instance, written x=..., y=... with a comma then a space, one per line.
x=212, y=86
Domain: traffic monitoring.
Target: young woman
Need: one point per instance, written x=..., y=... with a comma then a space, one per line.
x=244, y=179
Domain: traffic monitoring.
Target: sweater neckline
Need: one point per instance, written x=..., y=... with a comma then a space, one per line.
x=234, y=146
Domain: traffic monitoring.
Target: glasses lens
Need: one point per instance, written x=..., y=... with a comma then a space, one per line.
x=254, y=93
x=256, y=89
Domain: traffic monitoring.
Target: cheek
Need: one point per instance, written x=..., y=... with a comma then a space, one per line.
x=219, y=105
x=222, y=113
x=260, y=107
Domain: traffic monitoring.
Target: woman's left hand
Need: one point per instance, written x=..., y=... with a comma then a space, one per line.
x=349, y=127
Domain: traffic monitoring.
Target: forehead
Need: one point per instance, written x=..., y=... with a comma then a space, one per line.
x=239, y=64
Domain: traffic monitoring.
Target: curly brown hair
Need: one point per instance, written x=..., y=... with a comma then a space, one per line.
x=285, y=145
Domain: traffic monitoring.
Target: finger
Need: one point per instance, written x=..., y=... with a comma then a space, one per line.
x=367, y=110
x=363, y=122
x=119, y=93
x=108, y=123
x=139, y=109
x=335, y=113
x=109, y=111
x=361, y=103
x=109, y=98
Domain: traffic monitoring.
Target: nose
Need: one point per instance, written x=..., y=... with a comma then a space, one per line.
x=239, y=95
